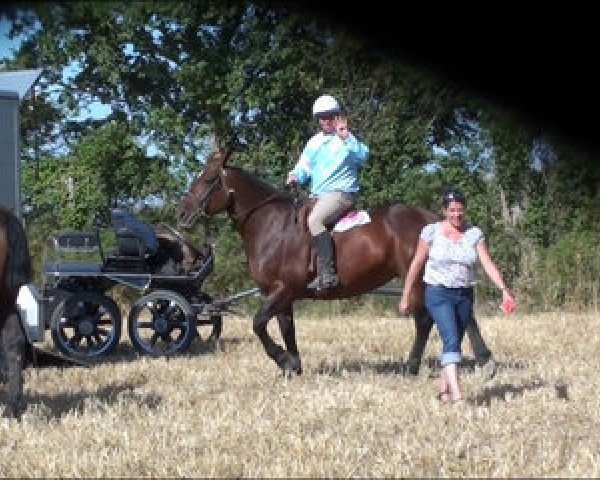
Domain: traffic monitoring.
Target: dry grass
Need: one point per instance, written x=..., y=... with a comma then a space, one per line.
x=228, y=413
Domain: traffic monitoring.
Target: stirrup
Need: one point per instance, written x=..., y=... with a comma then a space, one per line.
x=324, y=281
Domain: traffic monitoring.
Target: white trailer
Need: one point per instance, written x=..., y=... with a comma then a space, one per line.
x=14, y=86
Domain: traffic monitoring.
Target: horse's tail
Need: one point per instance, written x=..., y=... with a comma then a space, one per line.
x=18, y=269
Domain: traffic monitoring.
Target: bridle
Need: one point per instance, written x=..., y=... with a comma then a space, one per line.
x=215, y=184
x=203, y=201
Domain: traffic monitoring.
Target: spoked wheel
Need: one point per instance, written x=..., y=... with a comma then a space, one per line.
x=209, y=324
x=86, y=325
x=161, y=323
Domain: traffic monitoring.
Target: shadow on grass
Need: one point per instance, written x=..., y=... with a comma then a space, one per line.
x=55, y=406
x=125, y=352
x=402, y=367
x=505, y=391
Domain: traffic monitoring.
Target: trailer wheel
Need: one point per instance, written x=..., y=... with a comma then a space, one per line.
x=86, y=325
x=161, y=323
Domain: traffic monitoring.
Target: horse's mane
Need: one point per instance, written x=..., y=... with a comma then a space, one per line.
x=257, y=184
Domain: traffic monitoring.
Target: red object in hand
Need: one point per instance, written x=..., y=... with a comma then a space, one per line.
x=508, y=305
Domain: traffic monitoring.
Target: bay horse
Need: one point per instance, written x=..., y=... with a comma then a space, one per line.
x=15, y=271
x=280, y=258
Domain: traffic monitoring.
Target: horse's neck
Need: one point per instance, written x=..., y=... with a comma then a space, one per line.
x=249, y=195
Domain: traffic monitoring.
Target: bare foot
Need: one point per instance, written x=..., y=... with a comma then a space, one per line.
x=443, y=397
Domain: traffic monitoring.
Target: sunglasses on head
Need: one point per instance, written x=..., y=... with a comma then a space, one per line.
x=453, y=196
x=327, y=116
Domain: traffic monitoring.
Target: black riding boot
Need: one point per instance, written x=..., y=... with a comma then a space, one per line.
x=327, y=276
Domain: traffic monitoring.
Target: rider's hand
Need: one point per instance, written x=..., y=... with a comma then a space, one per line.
x=341, y=128
x=291, y=179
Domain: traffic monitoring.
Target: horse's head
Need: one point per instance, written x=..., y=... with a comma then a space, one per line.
x=208, y=194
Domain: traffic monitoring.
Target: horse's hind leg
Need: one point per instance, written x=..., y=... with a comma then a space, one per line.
x=423, y=324
x=13, y=346
x=483, y=355
x=288, y=333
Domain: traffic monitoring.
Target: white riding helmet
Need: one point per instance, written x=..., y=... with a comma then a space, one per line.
x=325, y=104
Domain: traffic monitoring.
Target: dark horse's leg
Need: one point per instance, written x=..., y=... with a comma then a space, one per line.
x=277, y=302
x=483, y=355
x=288, y=333
x=423, y=324
x=13, y=349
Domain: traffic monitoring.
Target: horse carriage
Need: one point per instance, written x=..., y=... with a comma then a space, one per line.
x=80, y=269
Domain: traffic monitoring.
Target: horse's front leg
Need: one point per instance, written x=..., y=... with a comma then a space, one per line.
x=13, y=346
x=288, y=333
x=276, y=302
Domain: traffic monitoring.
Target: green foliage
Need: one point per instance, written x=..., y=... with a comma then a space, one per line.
x=569, y=273
x=106, y=168
x=184, y=78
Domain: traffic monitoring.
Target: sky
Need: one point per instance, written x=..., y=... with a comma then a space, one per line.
x=6, y=45
x=7, y=49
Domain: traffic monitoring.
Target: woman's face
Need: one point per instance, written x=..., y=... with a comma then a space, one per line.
x=455, y=214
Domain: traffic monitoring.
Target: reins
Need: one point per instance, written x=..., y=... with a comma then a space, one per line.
x=296, y=206
x=253, y=209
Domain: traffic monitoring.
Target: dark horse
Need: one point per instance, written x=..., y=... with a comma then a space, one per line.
x=278, y=248
x=15, y=271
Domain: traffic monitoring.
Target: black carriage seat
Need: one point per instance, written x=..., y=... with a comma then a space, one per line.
x=136, y=241
x=75, y=241
x=73, y=251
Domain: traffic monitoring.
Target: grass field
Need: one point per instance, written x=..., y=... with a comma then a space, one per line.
x=353, y=413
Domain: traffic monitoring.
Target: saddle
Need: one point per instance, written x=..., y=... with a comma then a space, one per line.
x=349, y=219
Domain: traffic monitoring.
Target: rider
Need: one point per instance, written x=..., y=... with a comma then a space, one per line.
x=330, y=159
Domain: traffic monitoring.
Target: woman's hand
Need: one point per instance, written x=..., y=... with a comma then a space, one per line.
x=508, y=304
x=403, y=305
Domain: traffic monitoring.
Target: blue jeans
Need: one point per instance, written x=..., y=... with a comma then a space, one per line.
x=451, y=310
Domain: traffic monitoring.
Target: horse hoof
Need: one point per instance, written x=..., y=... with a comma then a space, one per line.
x=13, y=413
x=290, y=365
x=412, y=368
x=296, y=365
x=488, y=369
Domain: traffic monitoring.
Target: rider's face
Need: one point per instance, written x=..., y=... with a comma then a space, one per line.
x=327, y=121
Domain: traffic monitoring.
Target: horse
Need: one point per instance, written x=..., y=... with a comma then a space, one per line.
x=277, y=245
x=15, y=271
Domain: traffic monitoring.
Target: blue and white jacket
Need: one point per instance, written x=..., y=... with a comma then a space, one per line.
x=331, y=163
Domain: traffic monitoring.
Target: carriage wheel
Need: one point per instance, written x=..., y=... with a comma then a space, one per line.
x=86, y=325
x=209, y=325
x=161, y=323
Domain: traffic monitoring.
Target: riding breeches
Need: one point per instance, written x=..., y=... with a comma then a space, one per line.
x=328, y=208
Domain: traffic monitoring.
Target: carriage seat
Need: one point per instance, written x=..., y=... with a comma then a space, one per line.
x=136, y=242
x=134, y=237
x=75, y=241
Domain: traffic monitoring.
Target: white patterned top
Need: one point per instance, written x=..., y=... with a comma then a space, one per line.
x=450, y=262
